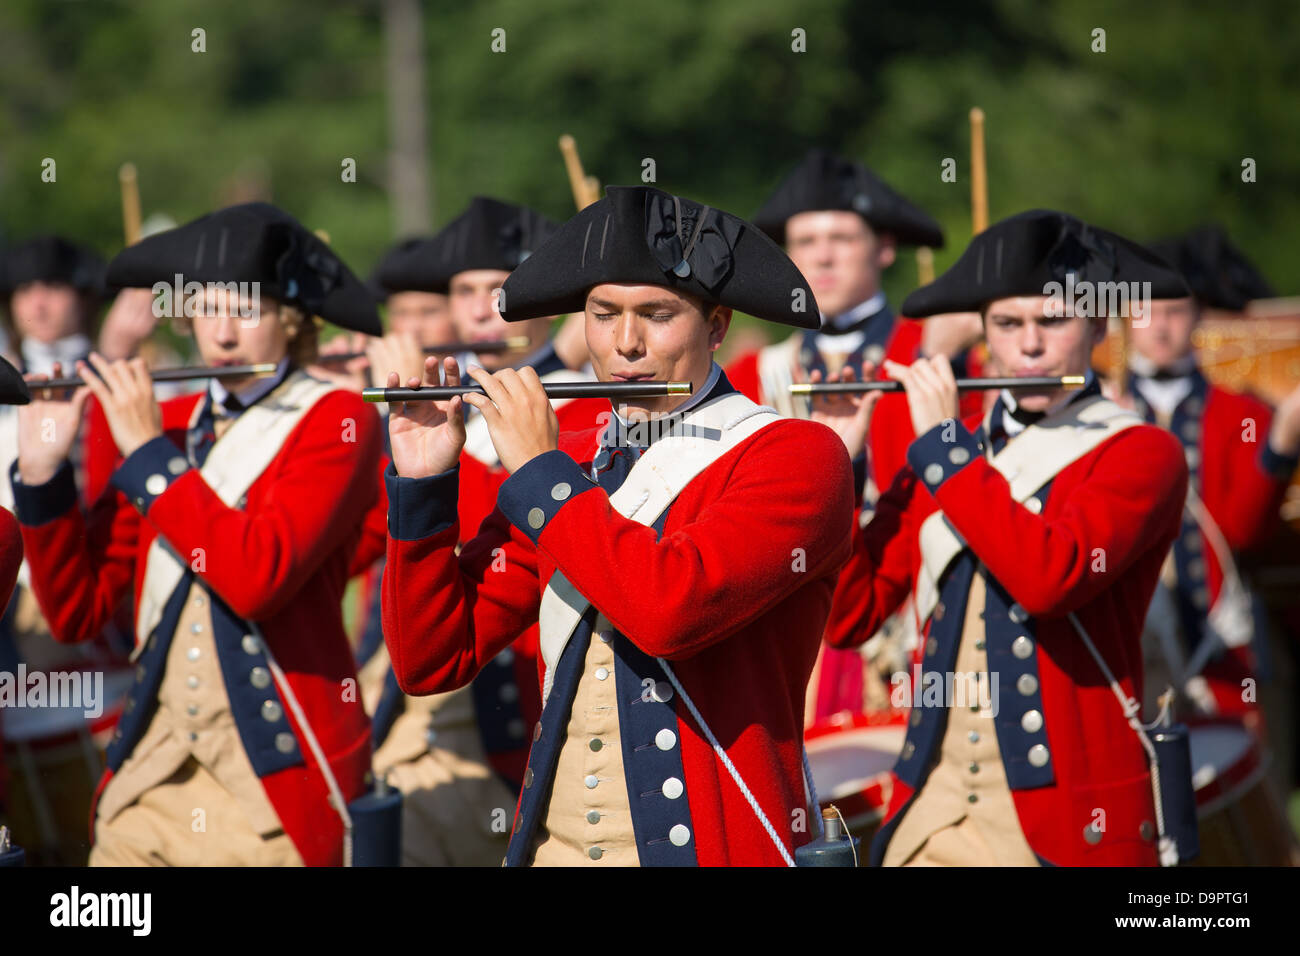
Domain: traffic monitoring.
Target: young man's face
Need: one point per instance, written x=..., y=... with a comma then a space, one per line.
x=425, y=315
x=840, y=255
x=224, y=337
x=473, y=298
x=648, y=332
x=1023, y=341
x=46, y=311
x=1168, y=336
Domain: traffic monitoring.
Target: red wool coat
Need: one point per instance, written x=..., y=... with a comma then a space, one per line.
x=1125, y=498
x=281, y=561
x=718, y=595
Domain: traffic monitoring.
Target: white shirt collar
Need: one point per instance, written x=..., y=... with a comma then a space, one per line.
x=41, y=356
x=251, y=392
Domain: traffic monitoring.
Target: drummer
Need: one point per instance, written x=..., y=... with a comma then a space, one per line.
x=234, y=516
x=1034, y=537
x=1241, y=456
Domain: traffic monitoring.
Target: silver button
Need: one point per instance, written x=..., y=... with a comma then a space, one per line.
x=1146, y=830
x=602, y=673
x=506, y=657
x=192, y=682
x=679, y=835
x=939, y=610
x=931, y=647
x=509, y=693
x=592, y=781
x=155, y=485
x=192, y=654
x=909, y=748
x=595, y=853
x=1027, y=684
x=192, y=710
x=139, y=504
x=593, y=816
x=915, y=718
x=193, y=736
x=1196, y=568
x=1034, y=506
x=980, y=644
x=250, y=644
x=536, y=518
x=663, y=692
x=1091, y=834
x=259, y=677
x=199, y=600
x=196, y=628
x=974, y=768
x=516, y=728
x=1031, y=722
x=959, y=456
x=673, y=788
x=1193, y=457
x=1022, y=647
x=271, y=711
x=285, y=743
x=1038, y=755
x=933, y=474
x=595, y=743
x=528, y=778
x=537, y=732
x=972, y=798
x=561, y=491
x=139, y=672
x=1018, y=614
x=177, y=465
x=973, y=737
x=665, y=739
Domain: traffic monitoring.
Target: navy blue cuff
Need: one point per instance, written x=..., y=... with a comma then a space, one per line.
x=534, y=494
x=1279, y=466
x=859, y=474
x=149, y=471
x=40, y=504
x=420, y=507
x=941, y=452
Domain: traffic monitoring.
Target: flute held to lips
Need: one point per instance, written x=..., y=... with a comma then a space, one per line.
x=177, y=374
x=515, y=343
x=553, y=390
x=963, y=384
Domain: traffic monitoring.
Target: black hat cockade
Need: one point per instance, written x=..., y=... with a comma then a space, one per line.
x=51, y=259
x=1042, y=252
x=1217, y=272
x=252, y=243
x=824, y=181
x=644, y=236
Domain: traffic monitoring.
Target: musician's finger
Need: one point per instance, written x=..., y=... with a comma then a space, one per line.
x=491, y=385
x=451, y=370
x=96, y=384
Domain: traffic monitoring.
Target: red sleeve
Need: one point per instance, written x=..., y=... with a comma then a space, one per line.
x=1132, y=497
x=1246, y=499
x=257, y=558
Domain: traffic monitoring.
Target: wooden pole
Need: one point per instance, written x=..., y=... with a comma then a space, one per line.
x=979, y=186
x=130, y=186
x=579, y=182
x=924, y=265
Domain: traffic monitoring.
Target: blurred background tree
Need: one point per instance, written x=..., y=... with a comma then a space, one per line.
x=1147, y=137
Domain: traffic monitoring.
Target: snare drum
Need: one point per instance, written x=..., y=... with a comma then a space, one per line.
x=1241, y=818
x=55, y=757
x=850, y=756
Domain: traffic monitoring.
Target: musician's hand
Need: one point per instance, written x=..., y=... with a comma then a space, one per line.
x=1284, y=434
x=931, y=390
x=354, y=374
x=951, y=334
x=427, y=437
x=47, y=427
x=129, y=322
x=396, y=351
x=848, y=415
x=518, y=414
x=125, y=392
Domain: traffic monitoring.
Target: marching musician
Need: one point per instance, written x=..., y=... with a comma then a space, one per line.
x=458, y=757
x=1034, y=537
x=680, y=560
x=1240, y=456
x=232, y=518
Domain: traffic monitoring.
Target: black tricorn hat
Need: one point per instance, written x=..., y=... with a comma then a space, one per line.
x=489, y=234
x=1219, y=275
x=644, y=236
x=391, y=272
x=253, y=242
x=13, y=390
x=825, y=181
x=1026, y=253
x=51, y=259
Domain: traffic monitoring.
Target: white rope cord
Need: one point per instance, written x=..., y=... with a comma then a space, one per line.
x=336, y=793
x=1130, y=706
x=726, y=762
